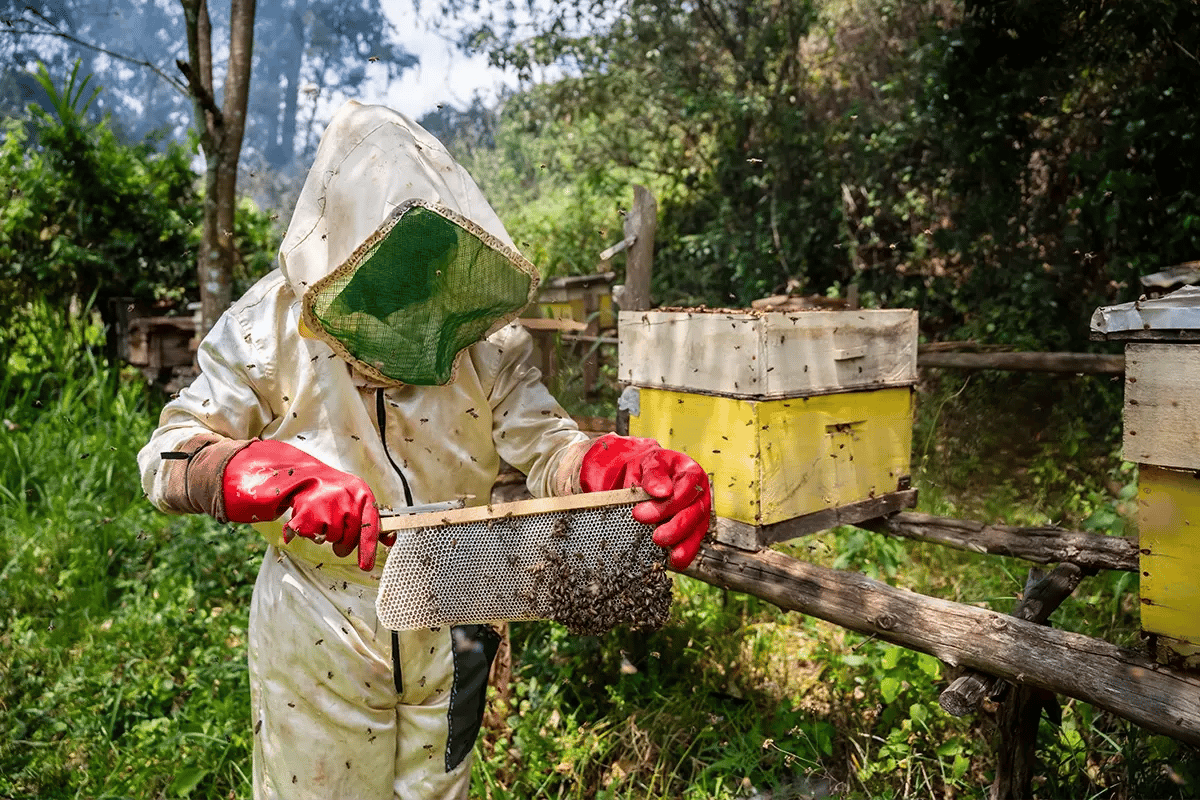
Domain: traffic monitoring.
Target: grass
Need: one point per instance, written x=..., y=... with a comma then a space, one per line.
x=122, y=641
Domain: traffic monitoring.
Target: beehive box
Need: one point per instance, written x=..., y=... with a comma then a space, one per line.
x=803, y=419
x=1162, y=434
x=583, y=298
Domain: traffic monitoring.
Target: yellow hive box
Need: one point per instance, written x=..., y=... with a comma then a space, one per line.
x=803, y=419
x=1169, y=539
x=774, y=460
x=583, y=298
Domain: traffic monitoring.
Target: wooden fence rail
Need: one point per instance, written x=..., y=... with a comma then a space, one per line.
x=1042, y=545
x=1089, y=363
x=1024, y=653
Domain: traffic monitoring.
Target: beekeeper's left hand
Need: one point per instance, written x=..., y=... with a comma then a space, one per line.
x=682, y=497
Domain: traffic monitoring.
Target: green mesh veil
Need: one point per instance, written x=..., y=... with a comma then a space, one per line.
x=425, y=286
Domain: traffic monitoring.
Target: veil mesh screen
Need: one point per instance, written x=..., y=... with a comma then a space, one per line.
x=422, y=291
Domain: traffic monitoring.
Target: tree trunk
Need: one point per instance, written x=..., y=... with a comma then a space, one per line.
x=221, y=131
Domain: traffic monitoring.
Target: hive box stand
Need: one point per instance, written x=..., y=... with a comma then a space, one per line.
x=803, y=419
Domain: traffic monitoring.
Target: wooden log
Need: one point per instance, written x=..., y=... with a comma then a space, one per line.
x=967, y=346
x=1045, y=544
x=1043, y=594
x=1089, y=363
x=1124, y=682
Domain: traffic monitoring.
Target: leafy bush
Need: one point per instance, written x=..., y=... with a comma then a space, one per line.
x=90, y=218
x=87, y=216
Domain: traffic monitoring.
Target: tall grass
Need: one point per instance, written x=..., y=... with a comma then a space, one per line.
x=122, y=646
x=121, y=638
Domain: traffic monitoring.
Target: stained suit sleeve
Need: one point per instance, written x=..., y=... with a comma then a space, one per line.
x=209, y=422
x=530, y=429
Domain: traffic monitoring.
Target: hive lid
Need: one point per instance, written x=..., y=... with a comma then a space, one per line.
x=1175, y=316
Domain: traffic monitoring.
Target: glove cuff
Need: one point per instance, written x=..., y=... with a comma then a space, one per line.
x=194, y=474
x=566, y=476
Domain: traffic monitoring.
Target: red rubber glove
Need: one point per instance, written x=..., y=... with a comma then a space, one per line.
x=266, y=478
x=684, y=497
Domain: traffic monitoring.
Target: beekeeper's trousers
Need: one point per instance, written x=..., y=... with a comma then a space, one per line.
x=333, y=719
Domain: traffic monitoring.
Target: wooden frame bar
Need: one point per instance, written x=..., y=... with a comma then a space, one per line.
x=518, y=508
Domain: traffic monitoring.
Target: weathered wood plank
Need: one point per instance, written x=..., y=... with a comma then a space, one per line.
x=1043, y=594
x=1162, y=405
x=551, y=324
x=1087, y=363
x=1042, y=545
x=1121, y=681
x=756, y=537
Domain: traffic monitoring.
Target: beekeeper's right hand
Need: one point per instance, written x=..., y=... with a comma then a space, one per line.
x=266, y=478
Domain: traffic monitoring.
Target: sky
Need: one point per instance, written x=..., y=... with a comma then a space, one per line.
x=444, y=75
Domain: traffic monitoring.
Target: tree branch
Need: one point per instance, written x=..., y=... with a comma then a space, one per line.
x=199, y=39
x=45, y=28
x=200, y=93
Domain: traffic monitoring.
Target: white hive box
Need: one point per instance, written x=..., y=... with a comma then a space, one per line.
x=766, y=354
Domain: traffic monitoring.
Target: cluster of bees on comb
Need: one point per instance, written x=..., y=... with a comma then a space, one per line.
x=592, y=594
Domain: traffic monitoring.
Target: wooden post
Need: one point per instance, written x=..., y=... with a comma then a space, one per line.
x=1016, y=742
x=591, y=355
x=641, y=225
x=1021, y=712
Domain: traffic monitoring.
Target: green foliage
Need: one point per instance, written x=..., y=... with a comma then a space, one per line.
x=87, y=216
x=1066, y=131
x=560, y=209
x=122, y=661
x=1004, y=168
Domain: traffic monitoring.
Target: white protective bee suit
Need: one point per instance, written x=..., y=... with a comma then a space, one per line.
x=341, y=707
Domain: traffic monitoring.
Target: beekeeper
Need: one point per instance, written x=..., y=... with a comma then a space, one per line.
x=379, y=366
